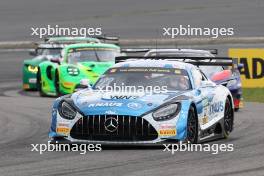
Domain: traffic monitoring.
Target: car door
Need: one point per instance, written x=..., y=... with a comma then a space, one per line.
x=204, y=95
x=208, y=90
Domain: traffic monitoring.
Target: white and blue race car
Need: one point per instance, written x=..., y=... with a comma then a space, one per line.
x=184, y=106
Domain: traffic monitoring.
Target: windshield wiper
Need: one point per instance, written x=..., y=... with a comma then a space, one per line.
x=96, y=55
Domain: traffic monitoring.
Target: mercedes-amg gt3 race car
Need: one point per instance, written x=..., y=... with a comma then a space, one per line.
x=218, y=74
x=82, y=64
x=172, y=101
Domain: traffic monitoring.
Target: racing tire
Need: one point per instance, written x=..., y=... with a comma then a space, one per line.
x=39, y=84
x=228, y=119
x=192, y=127
x=57, y=84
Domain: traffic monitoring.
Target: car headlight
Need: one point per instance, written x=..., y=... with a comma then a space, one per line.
x=231, y=83
x=67, y=111
x=32, y=69
x=73, y=71
x=166, y=112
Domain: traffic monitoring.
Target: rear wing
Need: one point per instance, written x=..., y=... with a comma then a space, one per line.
x=71, y=40
x=49, y=45
x=135, y=50
x=90, y=39
x=144, y=50
x=198, y=61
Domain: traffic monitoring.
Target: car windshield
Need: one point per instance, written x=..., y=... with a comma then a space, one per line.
x=209, y=71
x=49, y=51
x=92, y=54
x=171, y=79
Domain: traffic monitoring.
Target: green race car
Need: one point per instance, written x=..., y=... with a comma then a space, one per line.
x=48, y=51
x=42, y=53
x=80, y=66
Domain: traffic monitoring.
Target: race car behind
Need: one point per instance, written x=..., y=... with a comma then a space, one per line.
x=80, y=66
x=229, y=77
x=43, y=52
x=50, y=50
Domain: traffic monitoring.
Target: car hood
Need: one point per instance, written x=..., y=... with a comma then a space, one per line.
x=38, y=59
x=96, y=67
x=33, y=62
x=92, y=102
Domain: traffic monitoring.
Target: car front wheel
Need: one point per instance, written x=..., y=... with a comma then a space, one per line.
x=228, y=118
x=192, y=127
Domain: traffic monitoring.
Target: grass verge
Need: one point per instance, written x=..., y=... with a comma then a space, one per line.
x=253, y=94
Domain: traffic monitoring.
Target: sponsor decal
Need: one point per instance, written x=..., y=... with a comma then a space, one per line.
x=252, y=73
x=167, y=132
x=32, y=80
x=110, y=112
x=122, y=97
x=216, y=107
x=149, y=70
x=134, y=105
x=63, y=130
x=107, y=104
x=204, y=119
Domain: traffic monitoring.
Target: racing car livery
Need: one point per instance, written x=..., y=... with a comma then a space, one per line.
x=218, y=74
x=43, y=53
x=191, y=108
x=82, y=64
x=48, y=51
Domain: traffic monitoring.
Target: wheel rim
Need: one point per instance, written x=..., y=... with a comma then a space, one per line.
x=228, y=118
x=192, y=128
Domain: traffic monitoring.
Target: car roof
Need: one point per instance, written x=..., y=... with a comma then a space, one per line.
x=92, y=45
x=159, y=63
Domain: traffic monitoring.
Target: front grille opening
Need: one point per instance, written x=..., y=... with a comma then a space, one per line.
x=129, y=128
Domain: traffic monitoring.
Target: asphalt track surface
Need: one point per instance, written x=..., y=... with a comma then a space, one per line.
x=25, y=119
x=128, y=18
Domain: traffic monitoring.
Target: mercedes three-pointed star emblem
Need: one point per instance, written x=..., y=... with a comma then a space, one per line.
x=111, y=124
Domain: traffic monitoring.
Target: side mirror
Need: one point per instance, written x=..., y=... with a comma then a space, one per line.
x=240, y=66
x=84, y=84
x=32, y=53
x=55, y=60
